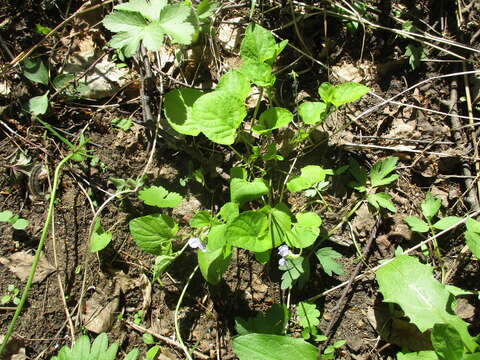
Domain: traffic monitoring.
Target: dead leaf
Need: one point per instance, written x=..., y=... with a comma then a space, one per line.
x=100, y=310
x=146, y=287
x=20, y=264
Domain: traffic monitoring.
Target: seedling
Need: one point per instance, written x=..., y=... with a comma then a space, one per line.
x=415, y=53
x=11, y=296
x=379, y=176
x=14, y=220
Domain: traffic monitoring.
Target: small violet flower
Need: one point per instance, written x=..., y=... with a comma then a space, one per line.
x=283, y=251
x=196, y=243
x=282, y=262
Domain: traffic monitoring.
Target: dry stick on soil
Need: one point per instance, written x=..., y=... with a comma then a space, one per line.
x=163, y=338
x=406, y=252
x=338, y=310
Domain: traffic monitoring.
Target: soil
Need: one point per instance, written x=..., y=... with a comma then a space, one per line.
x=436, y=154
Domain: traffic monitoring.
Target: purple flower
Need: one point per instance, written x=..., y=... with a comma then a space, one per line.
x=283, y=250
x=196, y=243
x=282, y=262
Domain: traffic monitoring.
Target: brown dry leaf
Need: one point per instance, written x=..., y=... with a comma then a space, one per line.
x=20, y=264
x=146, y=287
x=100, y=311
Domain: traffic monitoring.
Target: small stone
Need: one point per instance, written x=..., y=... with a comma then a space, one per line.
x=327, y=316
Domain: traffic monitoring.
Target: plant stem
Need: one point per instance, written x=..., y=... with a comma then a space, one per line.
x=179, y=303
x=38, y=252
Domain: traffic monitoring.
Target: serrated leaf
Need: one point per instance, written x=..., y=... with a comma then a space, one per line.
x=100, y=238
x=297, y=270
x=201, y=219
x=308, y=315
x=158, y=196
x=273, y=321
x=272, y=347
x=347, y=92
x=381, y=169
x=35, y=70
x=447, y=342
x=229, y=211
x=312, y=112
x=431, y=206
x=178, y=110
x=205, y=9
x=258, y=45
x=218, y=115
x=410, y=284
x=271, y=119
x=153, y=233
x=417, y=224
x=327, y=258
x=309, y=176
x=38, y=105
x=379, y=200
x=242, y=191
x=149, y=9
x=258, y=73
x=446, y=222
x=173, y=22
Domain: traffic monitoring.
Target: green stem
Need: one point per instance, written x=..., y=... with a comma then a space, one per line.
x=179, y=303
x=38, y=252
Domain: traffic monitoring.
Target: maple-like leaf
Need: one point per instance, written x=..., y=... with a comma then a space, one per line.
x=150, y=22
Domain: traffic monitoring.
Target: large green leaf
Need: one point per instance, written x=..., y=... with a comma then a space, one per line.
x=160, y=197
x=213, y=264
x=271, y=119
x=421, y=355
x=447, y=342
x=309, y=176
x=312, y=112
x=305, y=231
x=348, y=92
x=242, y=190
x=279, y=223
x=272, y=347
x=178, y=110
x=218, y=115
x=423, y=299
x=235, y=83
x=258, y=44
x=250, y=231
x=258, y=73
x=153, y=233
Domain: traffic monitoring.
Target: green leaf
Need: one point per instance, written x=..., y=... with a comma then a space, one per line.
x=446, y=222
x=6, y=215
x=242, y=191
x=100, y=239
x=38, y=105
x=431, y=206
x=381, y=199
x=201, y=219
x=279, y=223
x=216, y=237
x=148, y=339
x=162, y=262
x=417, y=224
x=310, y=175
x=99, y=346
x=213, y=263
x=218, y=115
x=312, y=112
x=410, y=284
x=308, y=315
x=149, y=9
x=258, y=45
x=153, y=233
x=380, y=171
x=132, y=355
x=229, y=211
x=421, y=355
x=258, y=73
x=122, y=123
x=159, y=197
x=272, y=347
x=271, y=119
x=415, y=54
x=447, y=342
x=235, y=83
x=472, y=236
x=359, y=174
x=347, y=92
x=81, y=348
x=296, y=270
x=250, y=231
x=305, y=231
x=273, y=321
x=173, y=23
x=178, y=107
x=35, y=70
x=326, y=92
x=327, y=257
x=206, y=9
x=20, y=224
